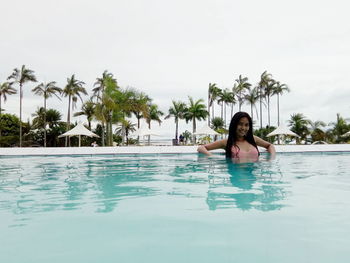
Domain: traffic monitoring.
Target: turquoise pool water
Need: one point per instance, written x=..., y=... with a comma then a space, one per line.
x=175, y=208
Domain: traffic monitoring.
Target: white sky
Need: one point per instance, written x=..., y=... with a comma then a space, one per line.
x=172, y=49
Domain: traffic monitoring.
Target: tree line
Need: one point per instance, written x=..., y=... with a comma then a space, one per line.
x=261, y=94
x=243, y=92
x=111, y=104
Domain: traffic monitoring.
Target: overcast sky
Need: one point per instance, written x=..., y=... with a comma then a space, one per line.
x=172, y=49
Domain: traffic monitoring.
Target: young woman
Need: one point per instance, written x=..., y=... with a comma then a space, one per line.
x=241, y=144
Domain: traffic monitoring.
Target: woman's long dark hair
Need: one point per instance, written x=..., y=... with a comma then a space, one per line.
x=232, y=136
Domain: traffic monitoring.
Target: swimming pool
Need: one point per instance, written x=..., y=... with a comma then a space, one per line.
x=175, y=208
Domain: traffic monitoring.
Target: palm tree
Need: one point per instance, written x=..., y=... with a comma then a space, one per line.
x=252, y=98
x=278, y=90
x=87, y=109
x=187, y=136
x=141, y=102
x=127, y=102
x=21, y=76
x=339, y=128
x=196, y=111
x=47, y=90
x=5, y=89
x=127, y=127
x=178, y=112
x=39, y=118
x=56, y=126
x=154, y=115
x=220, y=101
x=103, y=112
x=217, y=124
x=53, y=117
x=100, y=115
x=265, y=78
x=240, y=87
x=101, y=84
x=298, y=124
x=73, y=91
x=317, y=134
x=213, y=94
x=227, y=98
x=268, y=92
x=107, y=81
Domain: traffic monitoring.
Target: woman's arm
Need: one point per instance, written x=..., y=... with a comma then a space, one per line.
x=221, y=144
x=268, y=146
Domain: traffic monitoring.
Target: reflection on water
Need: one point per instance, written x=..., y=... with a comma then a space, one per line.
x=247, y=185
x=70, y=184
x=36, y=184
x=181, y=208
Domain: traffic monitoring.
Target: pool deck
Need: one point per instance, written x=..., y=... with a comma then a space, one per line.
x=40, y=151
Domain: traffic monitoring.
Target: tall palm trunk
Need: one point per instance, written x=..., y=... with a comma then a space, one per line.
x=268, y=109
x=212, y=110
x=176, y=128
x=260, y=107
x=127, y=136
x=20, y=115
x=44, y=121
x=111, y=133
x=194, y=129
x=67, y=142
x=103, y=133
x=278, y=110
x=149, y=136
x=232, y=110
x=123, y=135
x=278, y=116
x=222, y=110
x=107, y=133
x=138, y=126
x=225, y=115
x=208, y=107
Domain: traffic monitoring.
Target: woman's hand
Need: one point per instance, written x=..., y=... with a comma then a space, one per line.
x=202, y=149
x=268, y=146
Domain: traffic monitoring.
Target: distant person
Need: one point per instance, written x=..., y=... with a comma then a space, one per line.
x=241, y=144
x=181, y=137
x=94, y=144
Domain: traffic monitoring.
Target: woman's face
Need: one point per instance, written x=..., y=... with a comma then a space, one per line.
x=242, y=127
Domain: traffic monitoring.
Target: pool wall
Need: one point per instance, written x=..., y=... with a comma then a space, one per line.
x=156, y=149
